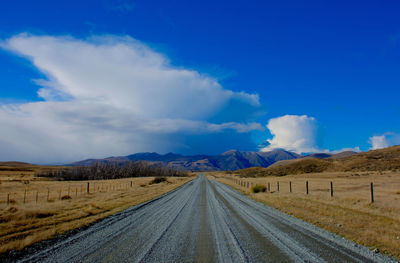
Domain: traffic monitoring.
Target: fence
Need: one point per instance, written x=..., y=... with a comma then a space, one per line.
x=276, y=186
x=58, y=191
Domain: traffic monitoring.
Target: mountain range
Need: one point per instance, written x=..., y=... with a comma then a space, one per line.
x=386, y=159
x=227, y=161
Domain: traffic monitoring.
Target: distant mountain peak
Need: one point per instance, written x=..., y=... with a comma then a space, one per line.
x=229, y=160
x=233, y=151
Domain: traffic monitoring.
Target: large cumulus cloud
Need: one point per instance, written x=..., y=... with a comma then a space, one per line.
x=385, y=140
x=109, y=95
x=293, y=133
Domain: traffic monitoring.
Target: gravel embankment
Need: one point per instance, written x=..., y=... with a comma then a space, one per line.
x=204, y=221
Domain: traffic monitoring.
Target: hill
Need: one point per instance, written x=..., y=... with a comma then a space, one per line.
x=227, y=161
x=376, y=160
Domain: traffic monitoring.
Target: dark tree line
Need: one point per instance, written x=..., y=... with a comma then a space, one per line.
x=103, y=171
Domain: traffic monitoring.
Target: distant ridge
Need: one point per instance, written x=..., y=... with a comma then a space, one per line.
x=14, y=163
x=387, y=159
x=317, y=156
x=227, y=161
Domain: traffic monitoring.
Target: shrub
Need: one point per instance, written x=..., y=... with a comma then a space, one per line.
x=66, y=197
x=158, y=180
x=258, y=188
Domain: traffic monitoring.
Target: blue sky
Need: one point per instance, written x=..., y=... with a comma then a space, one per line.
x=336, y=62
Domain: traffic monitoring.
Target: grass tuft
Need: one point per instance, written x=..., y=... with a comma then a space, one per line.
x=258, y=188
x=349, y=213
x=37, y=219
x=158, y=180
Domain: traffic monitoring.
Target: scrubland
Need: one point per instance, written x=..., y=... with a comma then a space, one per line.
x=33, y=209
x=349, y=213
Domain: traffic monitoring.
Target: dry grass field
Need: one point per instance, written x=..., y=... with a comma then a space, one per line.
x=387, y=159
x=34, y=209
x=348, y=213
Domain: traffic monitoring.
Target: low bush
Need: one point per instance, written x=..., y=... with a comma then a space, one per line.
x=258, y=188
x=158, y=180
x=66, y=197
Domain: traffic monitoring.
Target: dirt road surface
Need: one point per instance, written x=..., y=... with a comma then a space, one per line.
x=203, y=221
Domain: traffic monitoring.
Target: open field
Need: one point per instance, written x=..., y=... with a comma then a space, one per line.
x=54, y=207
x=348, y=213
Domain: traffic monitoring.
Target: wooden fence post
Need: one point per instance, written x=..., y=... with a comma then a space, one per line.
x=269, y=188
x=24, y=196
x=290, y=186
x=277, y=186
x=331, y=189
x=307, y=187
x=372, y=192
x=87, y=189
x=48, y=194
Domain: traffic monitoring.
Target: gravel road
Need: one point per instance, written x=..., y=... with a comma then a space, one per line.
x=203, y=221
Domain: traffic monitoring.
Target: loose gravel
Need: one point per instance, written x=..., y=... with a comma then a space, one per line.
x=204, y=221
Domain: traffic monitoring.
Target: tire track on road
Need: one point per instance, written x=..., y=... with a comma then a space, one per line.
x=204, y=221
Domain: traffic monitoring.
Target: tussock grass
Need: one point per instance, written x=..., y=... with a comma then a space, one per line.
x=349, y=213
x=158, y=180
x=387, y=159
x=258, y=188
x=22, y=224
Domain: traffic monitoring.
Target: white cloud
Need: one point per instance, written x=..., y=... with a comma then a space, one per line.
x=293, y=133
x=110, y=95
x=383, y=141
x=296, y=133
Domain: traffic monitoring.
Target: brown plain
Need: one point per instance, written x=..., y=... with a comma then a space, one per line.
x=63, y=205
x=349, y=213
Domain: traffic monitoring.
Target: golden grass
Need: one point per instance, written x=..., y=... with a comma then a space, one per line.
x=56, y=211
x=387, y=159
x=349, y=213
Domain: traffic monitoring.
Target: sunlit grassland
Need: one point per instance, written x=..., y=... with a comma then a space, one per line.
x=349, y=213
x=65, y=205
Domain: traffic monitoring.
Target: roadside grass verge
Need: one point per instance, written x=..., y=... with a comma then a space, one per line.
x=349, y=213
x=22, y=224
